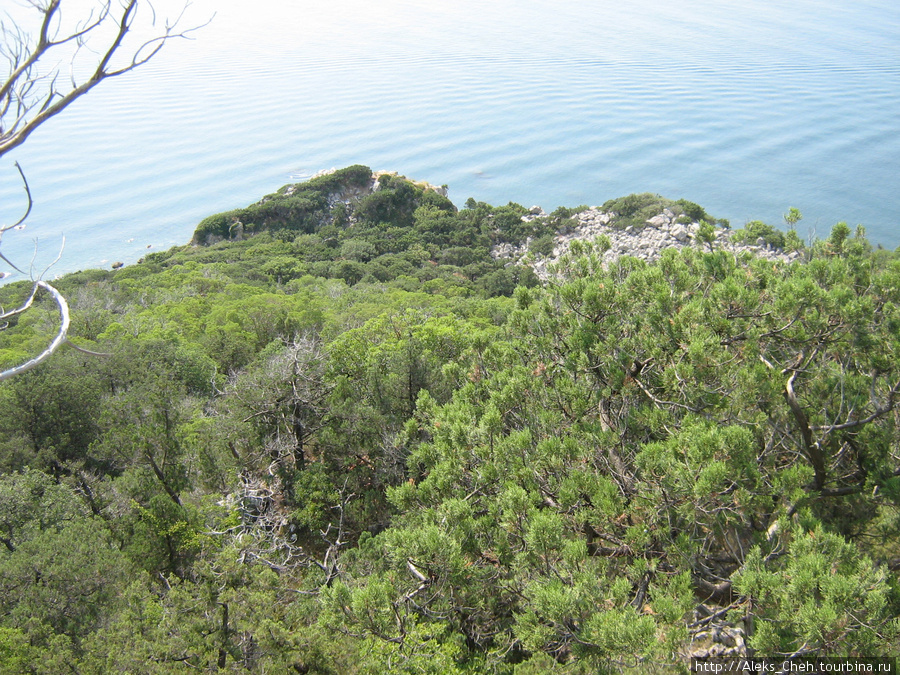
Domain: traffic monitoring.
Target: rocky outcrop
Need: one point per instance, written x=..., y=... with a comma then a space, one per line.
x=714, y=637
x=665, y=230
x=718, y=642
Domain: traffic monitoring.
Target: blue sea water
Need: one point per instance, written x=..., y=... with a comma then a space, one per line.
x=746, y=107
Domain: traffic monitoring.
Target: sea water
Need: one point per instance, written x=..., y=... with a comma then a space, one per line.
x=747, y=107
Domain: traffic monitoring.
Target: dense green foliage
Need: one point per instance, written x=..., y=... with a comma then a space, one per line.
x=361, y=445
x=401, y=233
x=634, y=210
x=300, y=208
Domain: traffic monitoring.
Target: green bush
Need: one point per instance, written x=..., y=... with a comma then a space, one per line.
x=300, y=207
x=636, y=209
x=543, y=245
x=214, y=227
x=755, y=230
x=693, y=211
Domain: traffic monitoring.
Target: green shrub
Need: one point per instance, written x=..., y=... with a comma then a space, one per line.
x=214, y=227
x=543, y=245
x=755, y=230
x=636, y=209
x=299, y=207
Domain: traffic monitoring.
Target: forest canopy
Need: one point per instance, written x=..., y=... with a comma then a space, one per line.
x=337, y=434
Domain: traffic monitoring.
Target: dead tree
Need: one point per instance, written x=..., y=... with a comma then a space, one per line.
x=97, y=46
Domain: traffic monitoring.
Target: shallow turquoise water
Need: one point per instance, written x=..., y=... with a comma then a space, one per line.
x=747, y=108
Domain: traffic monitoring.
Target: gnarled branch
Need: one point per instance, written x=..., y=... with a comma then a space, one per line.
x=55, y=343
x=32, y=93
x=28, y=98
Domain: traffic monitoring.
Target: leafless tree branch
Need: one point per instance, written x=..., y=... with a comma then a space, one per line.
x=18, y=223
x=55, y=343
x=30, y=97
x=33, y=92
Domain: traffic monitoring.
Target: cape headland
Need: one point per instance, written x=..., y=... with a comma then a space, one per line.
x=637, y=225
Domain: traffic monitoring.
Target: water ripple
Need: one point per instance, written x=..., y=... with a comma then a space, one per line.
x=746, y=108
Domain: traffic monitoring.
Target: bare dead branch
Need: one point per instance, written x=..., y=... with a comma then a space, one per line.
x=661, y=402
x=33, y=98
x=881, y=409
x=30, y=97
x=55, y=343
x=30, y=204
x=85, y=351
x=22, y=308
x=812, y=448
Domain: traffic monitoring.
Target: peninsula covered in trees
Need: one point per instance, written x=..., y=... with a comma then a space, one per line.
x=352, y=428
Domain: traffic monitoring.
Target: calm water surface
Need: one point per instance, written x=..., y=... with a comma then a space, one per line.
x=747, y=108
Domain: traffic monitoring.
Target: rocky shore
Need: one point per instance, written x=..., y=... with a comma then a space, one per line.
x=646, y=242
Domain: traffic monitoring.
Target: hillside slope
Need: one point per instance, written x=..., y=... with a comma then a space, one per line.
x=352, y=437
